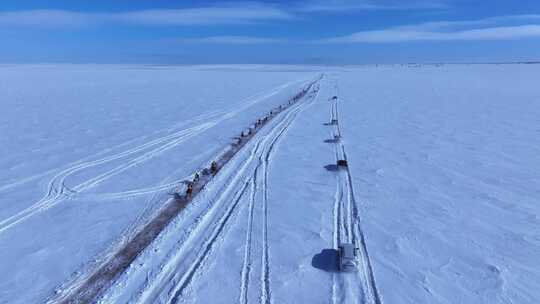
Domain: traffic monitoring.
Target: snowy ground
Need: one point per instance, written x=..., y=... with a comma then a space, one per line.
x=441, y=194
x=87, y=151
x=446, y=162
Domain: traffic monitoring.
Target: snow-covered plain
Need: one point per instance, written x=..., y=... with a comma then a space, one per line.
x=442, y=185
x=446, y=162
x=88, y=151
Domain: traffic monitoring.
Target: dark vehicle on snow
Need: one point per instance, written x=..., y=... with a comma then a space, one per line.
x=348, y=257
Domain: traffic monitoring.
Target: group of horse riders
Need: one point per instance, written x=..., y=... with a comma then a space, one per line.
x=214, y=165
x=258, y=123
x=196, y=178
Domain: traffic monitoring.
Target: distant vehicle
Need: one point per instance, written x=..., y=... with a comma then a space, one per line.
x=342, y=163
x=348, y=256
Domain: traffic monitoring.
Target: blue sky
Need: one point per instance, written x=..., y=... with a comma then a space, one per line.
x=303, y=32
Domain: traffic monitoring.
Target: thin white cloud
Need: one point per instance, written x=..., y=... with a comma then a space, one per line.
x=235, y=13
x=44, y=18
x=401, y=35
x=240, y=14
x=212, y=15
x=465, y=24
x=234, y=40
x=351, y=5
x=495, y=28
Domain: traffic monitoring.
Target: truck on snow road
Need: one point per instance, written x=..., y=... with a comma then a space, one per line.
x=347, y=255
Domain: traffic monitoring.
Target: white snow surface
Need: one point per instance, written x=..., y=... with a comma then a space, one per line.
x=446, y=161
x=442, y=185
x=88, y=151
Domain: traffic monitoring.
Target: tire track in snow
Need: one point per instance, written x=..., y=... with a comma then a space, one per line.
x=266, y=294
x=169, y=271
x=265, y=273
x=186, y=279
x=140, y=159
x=336, y=214
x=57, y=194
x=144, y=216
x=336, y=237
x=359, y=238
x=167, y=184
x=354, y=232
x=172, y=267
x=174, y=264
x=258, y=184
x=242, y=105
x=246, y=266
x=344, y=210
x=58, y=191
x=266, y=145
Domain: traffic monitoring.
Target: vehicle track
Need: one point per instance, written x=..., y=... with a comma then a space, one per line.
x=58, y=191
x=351, y=230
x=170, y=270
x=246, y=265
x=359, y=239
x=72, y=290
x=337, y=211
x=266, y=293
x=208, y=220
x=264, y=164
x=259, y=179
x=242, y=105
x=166, y=185
x=265, y=271
x=207, y=247
x=159, y=193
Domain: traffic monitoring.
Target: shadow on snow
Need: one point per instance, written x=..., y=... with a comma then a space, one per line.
x=326, y=260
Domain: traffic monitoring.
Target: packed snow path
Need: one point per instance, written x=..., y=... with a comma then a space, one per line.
x=443, y=163
x=87, y=289
x=226, y=254
x=123, y=136
x=58, y=191
x=258, y=186
x=357, y=287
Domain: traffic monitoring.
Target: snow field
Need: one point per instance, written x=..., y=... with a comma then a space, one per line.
x=440, y=193
x=120, y=140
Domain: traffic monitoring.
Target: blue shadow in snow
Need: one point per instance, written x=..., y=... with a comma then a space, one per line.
x=331, y=167
x=326, y=260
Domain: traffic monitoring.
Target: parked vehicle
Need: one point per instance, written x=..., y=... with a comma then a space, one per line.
x=348, y=257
